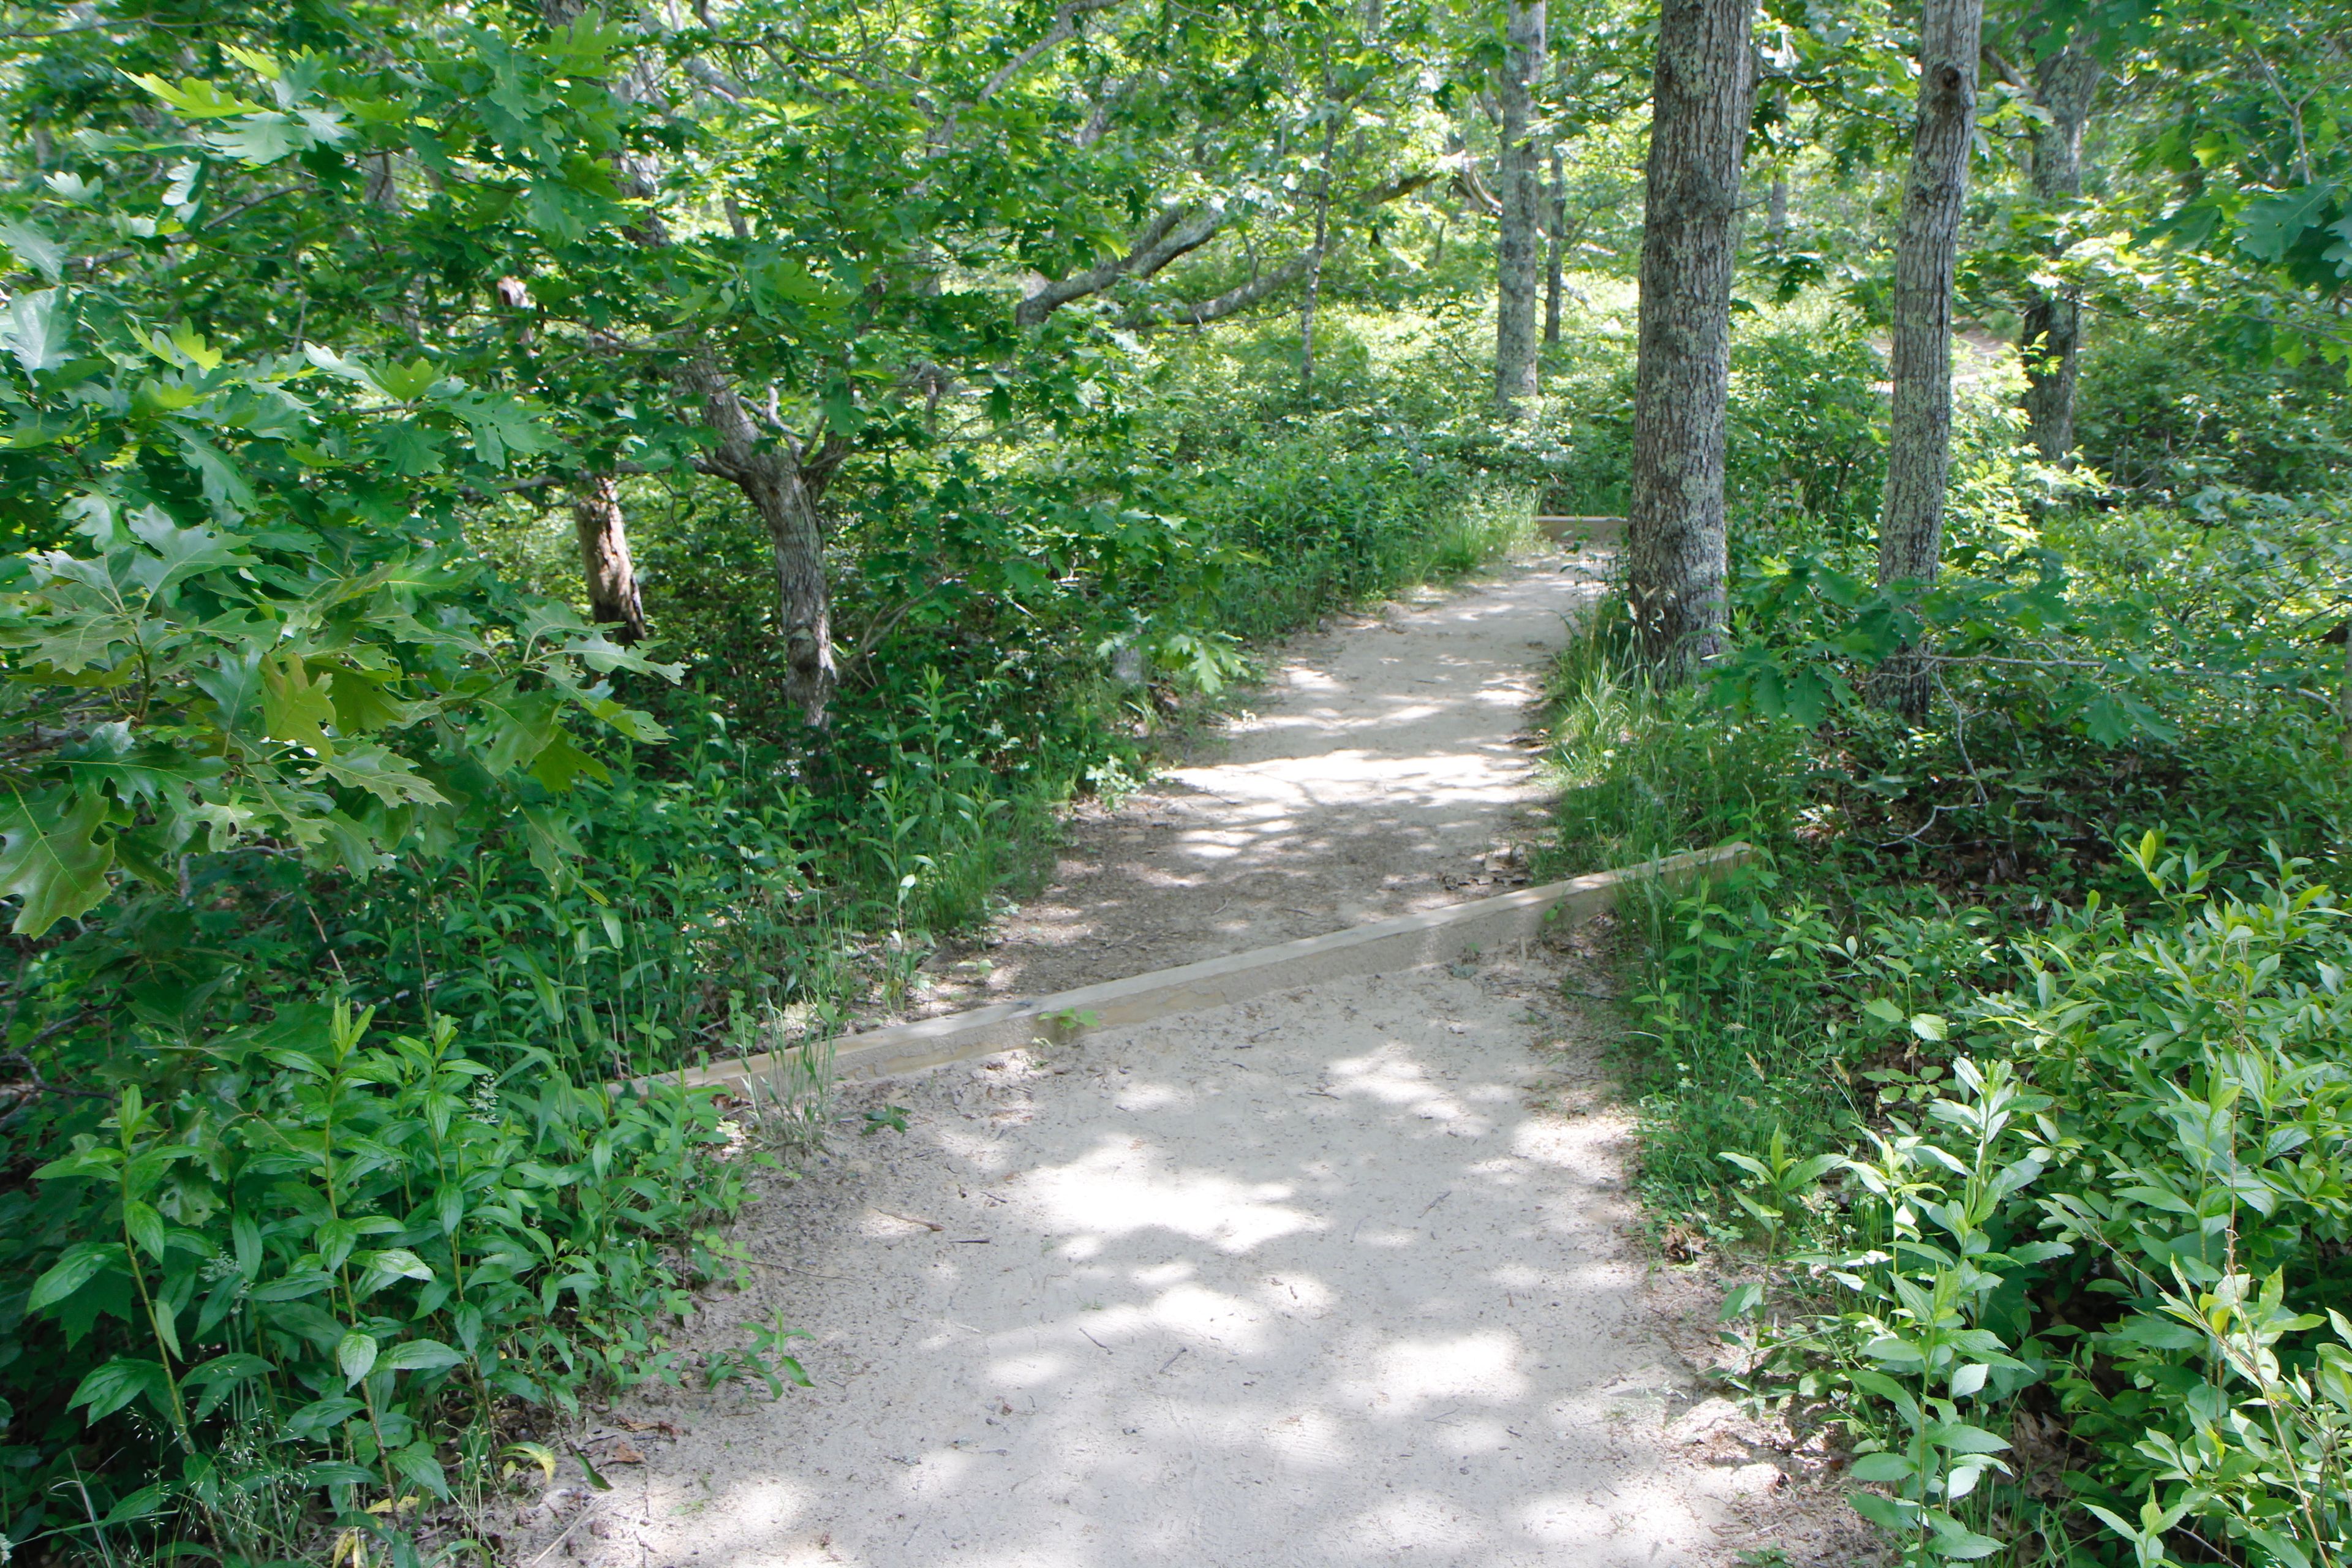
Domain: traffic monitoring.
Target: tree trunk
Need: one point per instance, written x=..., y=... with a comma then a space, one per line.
x=1920, y=433
x=604, y=561
x=782, y=489
x=1315, y=259
x=1556, y=250
x=1702, y=93
x=1776, y=194
x=1516, y=252
x=2050, y=344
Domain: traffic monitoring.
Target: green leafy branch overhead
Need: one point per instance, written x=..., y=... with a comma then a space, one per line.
x=249, y=615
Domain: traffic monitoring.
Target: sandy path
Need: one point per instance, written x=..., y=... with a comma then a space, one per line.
x=1332, y=1278
x=1384, y=771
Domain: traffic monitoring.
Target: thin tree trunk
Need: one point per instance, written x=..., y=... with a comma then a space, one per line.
x=1556, y=250
x=1776, y=209
x=2051, y=342
x=1517, y=251
x=604, y=561
x=1702, y=94
x=782, y=489
x=596, y=513
x=1315, y=259
x=1919, y=433
x=380, y=189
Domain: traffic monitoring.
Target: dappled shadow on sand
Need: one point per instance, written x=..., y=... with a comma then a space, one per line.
x=1300, y=1281
x=1384, y=769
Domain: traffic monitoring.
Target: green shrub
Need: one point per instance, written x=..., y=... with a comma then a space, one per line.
x=2172, y=411
x=311, y=1276
x=1804, y=452
x=2038, y=1142
x=2126, y=1207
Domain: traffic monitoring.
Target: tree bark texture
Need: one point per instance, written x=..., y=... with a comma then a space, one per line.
x=1919, y=431
x=1518, y=250
x=604, y=561
x=2051, y=342
x=1702, y=93
x=1556, y=250
x=782, y=489
x=1919, y=436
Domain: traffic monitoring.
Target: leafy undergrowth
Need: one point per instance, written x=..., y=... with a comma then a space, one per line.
x=333, y=1267
x=318, y=1217
x=2012, y=1078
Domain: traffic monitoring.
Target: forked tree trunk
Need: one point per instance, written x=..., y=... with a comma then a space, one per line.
x=1701, y=96
x=2051, y=342
x=1518, y=251
x=1920, y=432
x=780, y=480
x=782, y=489
x=1556, y=250
x=604, y=561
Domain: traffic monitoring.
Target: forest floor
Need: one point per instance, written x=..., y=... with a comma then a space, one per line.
x=1343, y=1276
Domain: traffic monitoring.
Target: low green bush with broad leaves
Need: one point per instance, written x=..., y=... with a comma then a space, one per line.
x=2112, y=1222
x=314, y=1276
x=2021, y=1134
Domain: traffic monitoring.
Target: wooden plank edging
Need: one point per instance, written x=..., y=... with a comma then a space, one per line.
x=1406, y=942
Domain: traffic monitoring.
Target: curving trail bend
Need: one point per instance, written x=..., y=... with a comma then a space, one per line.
x=1336, y=1278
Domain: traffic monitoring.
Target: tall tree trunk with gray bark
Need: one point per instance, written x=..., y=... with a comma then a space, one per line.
x=604, y=561
x=1702, y=94
x=1519, y=253
x=1920, y=432
x=2050, y=342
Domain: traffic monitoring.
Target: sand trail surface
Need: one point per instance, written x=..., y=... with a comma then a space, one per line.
x=1332, y=1278
x=1328, y=1278
x=1385, y=769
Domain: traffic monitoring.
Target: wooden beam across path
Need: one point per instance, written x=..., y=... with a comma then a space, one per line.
x=1407, y=942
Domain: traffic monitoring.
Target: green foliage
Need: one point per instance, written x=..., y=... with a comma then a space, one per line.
x=2108, y=1218
x=261, y=624
x=1804, y=452
x=1803, y=448
x=2175, y=413
x=2024, y=1143
x=304, y=1268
